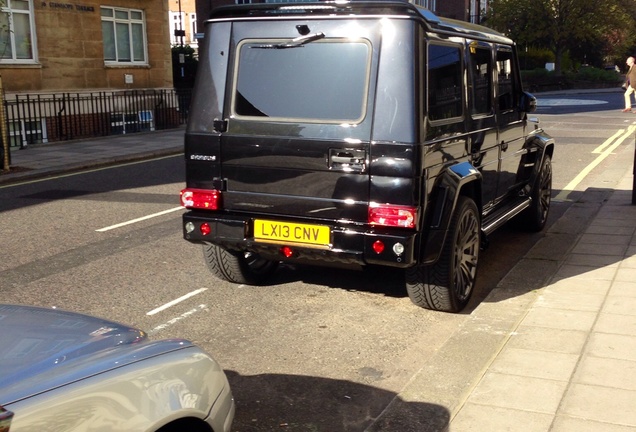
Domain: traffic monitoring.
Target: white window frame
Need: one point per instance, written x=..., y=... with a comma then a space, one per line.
x=114, y=20
x=7, y=8
x=193, y=30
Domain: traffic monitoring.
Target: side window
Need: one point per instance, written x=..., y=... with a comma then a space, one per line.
x=481, y=70
x=506, y=90
x=444, y=82
x=17, y=32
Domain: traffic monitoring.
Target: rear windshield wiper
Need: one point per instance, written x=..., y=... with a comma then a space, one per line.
x=294, y=43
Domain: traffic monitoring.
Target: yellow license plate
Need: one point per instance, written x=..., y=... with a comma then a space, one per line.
x=286, y=232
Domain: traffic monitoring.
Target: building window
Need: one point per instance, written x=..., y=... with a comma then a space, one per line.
x=124, y=33
x=176, y=24
x=428, y=4
x=17, y=35
x=24, y=132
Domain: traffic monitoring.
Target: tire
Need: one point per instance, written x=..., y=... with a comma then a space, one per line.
x=238, y=267
x=534, y=218
x=448, y=284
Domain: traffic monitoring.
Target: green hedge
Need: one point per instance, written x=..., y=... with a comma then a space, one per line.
x=541, y=79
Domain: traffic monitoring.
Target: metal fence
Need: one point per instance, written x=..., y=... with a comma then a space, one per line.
x=34, y=119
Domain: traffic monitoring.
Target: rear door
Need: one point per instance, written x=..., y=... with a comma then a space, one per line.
x=298, y=112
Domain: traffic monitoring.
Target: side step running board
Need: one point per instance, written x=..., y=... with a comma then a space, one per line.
x=498, y=218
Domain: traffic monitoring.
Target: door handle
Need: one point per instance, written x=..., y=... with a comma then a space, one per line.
x=346, y=159
x=349, y=160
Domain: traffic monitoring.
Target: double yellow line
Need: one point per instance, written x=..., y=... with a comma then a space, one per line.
x=603, y=151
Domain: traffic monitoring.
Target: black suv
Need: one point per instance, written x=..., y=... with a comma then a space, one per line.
x=359, y=133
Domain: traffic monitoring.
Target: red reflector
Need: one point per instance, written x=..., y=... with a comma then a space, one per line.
x=205, y=228
x=378, y=246
x=207, y=199
x=392, y=215
x=286, y=251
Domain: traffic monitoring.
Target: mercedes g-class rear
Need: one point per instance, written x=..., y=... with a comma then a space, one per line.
x=307, y=143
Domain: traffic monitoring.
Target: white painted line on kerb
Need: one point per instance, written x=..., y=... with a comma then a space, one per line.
x=601, y=157
x=176, y=301
x=178, y=318
x=108, y=228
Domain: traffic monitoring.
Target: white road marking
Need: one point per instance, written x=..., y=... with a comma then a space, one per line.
x=119, y=225
x=178, y=318
x=608, y=141
x=176, y=301
x=604, y=153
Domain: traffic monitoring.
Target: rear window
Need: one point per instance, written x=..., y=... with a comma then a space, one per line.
x=322, y=81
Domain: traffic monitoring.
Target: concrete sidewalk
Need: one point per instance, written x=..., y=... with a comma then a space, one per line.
x=553, y=346
x=569, y=362
x=45, y=160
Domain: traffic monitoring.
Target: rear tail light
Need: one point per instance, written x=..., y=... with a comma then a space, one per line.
x=392, y=215
x=207, y=199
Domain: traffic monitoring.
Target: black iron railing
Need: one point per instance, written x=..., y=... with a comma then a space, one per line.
x=34, y=119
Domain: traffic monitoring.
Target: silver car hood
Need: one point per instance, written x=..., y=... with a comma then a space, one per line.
x=42, y=349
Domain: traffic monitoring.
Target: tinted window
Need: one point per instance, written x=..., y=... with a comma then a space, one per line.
x=505, y=74
x=324, y=80
x=444, y=82
x=481, y=80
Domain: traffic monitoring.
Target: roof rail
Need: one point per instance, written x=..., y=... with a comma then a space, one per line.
x=324, y=7
x=347, y=7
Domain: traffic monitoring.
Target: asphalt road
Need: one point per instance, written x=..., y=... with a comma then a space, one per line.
x=316, y=350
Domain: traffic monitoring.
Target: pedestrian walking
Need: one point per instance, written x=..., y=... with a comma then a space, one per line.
x=630, y=83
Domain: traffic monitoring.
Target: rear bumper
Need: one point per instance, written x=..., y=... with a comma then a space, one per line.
x=350, y=245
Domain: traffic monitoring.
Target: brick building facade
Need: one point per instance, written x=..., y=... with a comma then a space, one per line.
x=79, y=68
x=65, y=45
x=183, y=17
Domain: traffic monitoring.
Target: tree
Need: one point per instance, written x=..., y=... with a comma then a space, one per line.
x=184, y=66
x=577, y=27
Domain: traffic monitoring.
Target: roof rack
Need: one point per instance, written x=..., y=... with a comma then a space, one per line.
x=324, y=8
x=348, y=7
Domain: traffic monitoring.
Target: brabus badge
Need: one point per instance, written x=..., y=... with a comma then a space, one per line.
x=202, y=157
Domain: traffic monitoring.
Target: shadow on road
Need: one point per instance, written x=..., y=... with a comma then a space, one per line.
x=279, y=402
x=526, y=260
x=116, y=184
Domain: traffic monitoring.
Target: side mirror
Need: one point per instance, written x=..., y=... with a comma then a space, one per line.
x=528, y=102
x=5, y=419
